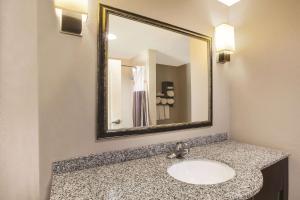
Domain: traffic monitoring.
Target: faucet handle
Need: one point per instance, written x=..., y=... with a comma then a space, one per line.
x=181, y=146
x=181, y=149
x=186, y=151
x=171, y=155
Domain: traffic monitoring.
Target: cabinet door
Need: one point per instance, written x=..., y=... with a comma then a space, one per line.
x=275, y=182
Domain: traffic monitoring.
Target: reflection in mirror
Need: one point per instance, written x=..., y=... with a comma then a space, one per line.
x=155, y=76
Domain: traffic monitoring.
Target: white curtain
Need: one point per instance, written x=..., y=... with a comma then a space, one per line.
x=141, y=116
x=139, y=77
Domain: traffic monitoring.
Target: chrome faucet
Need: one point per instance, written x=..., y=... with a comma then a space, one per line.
x=180, y=151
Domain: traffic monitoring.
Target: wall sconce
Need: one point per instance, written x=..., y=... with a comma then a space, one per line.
x=225, y=43
x=71, y=14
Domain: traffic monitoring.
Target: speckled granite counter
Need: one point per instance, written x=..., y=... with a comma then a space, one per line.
x=147, y=178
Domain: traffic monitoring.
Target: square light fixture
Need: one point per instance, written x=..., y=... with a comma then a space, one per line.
x=225, y=42
x=72, y=14
x=229, y=2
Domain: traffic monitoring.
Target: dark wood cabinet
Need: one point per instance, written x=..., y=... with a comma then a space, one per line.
x=275, y=182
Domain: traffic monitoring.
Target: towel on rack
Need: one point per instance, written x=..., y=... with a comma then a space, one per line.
x=170, y=93
x=160, y=112
x=158, y=100
x=167, y=111
x=159, y=94
x=163, y=101
x=171, y=101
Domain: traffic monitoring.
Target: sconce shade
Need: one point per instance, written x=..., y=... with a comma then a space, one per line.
x=224, y=38
x=72, y=24
x=72, y=14
x=79, y=6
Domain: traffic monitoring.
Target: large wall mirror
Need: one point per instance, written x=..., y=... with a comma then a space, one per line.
x=152, y=76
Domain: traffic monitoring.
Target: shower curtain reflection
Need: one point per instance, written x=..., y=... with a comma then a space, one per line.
x=141, y=116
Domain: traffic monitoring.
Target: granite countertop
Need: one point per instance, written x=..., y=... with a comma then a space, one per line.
x=147, y=178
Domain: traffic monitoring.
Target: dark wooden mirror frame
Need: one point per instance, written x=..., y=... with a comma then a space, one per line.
x=102, y=127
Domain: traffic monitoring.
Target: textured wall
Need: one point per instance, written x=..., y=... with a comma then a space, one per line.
x=265, y=78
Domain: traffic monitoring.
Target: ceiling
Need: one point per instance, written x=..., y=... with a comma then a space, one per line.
x=229, y=2
x=134, y=37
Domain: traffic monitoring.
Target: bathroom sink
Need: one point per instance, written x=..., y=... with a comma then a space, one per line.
x=201, y=172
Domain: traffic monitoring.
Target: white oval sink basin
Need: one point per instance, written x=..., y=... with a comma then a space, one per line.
x=201, y=172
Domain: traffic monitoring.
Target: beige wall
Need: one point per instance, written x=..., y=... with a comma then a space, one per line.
x=151, y=78
x=265, y=78
x=19, y=165
x=199, y=79
x=127, y=97
x=67, y=80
